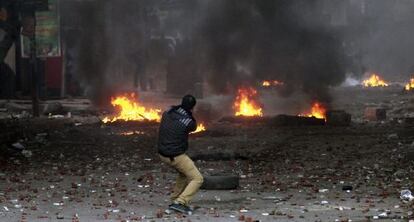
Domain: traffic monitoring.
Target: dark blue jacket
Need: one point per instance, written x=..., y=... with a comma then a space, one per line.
x=175, y=126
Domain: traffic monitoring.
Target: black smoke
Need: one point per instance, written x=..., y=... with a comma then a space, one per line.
x=92, y=49
x=245, y=41
x=106, y=37
x=227, y=42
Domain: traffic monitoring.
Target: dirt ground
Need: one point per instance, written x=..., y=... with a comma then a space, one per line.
x=83, y=170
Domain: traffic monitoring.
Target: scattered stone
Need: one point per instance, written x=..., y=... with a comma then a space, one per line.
x=392, y=136
x=347, y=188
x=27, y=153
x=60, y=216
x=406, y=195
x=18, y=146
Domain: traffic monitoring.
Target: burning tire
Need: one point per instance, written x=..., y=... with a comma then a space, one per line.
x=220, y=182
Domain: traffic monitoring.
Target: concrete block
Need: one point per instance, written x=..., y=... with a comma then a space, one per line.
x=375, y=114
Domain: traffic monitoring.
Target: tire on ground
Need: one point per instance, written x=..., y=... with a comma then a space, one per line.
x=220, y=183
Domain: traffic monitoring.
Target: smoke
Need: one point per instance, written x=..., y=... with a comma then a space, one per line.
x=234, y=42
x=93, y=52
x=172, y=44
x=249, y=41
x=383, y=37
x=107, y=39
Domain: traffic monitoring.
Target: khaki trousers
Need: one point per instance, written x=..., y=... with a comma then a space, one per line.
x=189, y=179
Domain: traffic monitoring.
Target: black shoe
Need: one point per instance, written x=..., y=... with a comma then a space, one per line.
x=181, y=208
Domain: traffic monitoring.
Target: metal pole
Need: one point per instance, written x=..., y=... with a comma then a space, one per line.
x=33, y=63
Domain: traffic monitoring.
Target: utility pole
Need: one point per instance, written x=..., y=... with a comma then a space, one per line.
x=29, y=7
x=33, y=64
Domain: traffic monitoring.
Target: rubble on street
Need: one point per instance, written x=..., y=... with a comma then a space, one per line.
x=86, y=170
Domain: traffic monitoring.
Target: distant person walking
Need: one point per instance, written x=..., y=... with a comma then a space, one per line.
x=176, y=124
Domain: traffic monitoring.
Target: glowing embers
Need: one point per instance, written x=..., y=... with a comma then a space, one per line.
x=131, y=110
x=374, y=81
x=270, y=83
x=246, y=103
x=200, y=128
x=410, y=85
x=317, y=111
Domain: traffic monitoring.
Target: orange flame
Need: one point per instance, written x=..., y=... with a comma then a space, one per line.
x=317, y=111
x=268, y=83
x=131, y=110
x=200, y=128
x=410, y=85
x=245, y=104
x=374, y=81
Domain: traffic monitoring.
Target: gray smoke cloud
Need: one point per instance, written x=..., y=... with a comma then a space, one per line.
x=309, y=45
x=249, y=41
x=106, y=41
x=382, y=37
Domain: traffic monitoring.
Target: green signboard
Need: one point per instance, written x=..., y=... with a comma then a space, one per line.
x=47, y=33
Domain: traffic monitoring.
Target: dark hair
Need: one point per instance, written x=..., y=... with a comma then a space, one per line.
x=188, y=102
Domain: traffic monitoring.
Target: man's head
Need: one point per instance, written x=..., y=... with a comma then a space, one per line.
x=188, y=102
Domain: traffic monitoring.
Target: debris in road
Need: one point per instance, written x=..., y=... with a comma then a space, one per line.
x=18, y=145
x=383, y=215
x=283, y=173
x=217, y=198
x=271, y=198
x=347, y=188
x=324, y=202
x=406, y=195
x=60, y=216
x=56, y=116
x=27, y=153
x=392, y=136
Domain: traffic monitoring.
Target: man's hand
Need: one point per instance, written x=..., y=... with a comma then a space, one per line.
x=193, y=125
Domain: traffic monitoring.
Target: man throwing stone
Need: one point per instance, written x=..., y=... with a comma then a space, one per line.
x=176, y=124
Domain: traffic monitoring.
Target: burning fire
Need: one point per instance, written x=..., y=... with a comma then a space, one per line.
x=317, y=111
x=245, y=104
x=268, y=83
x=131, y=110
x=200, y=128
x=410, y=85
x=374, y=81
